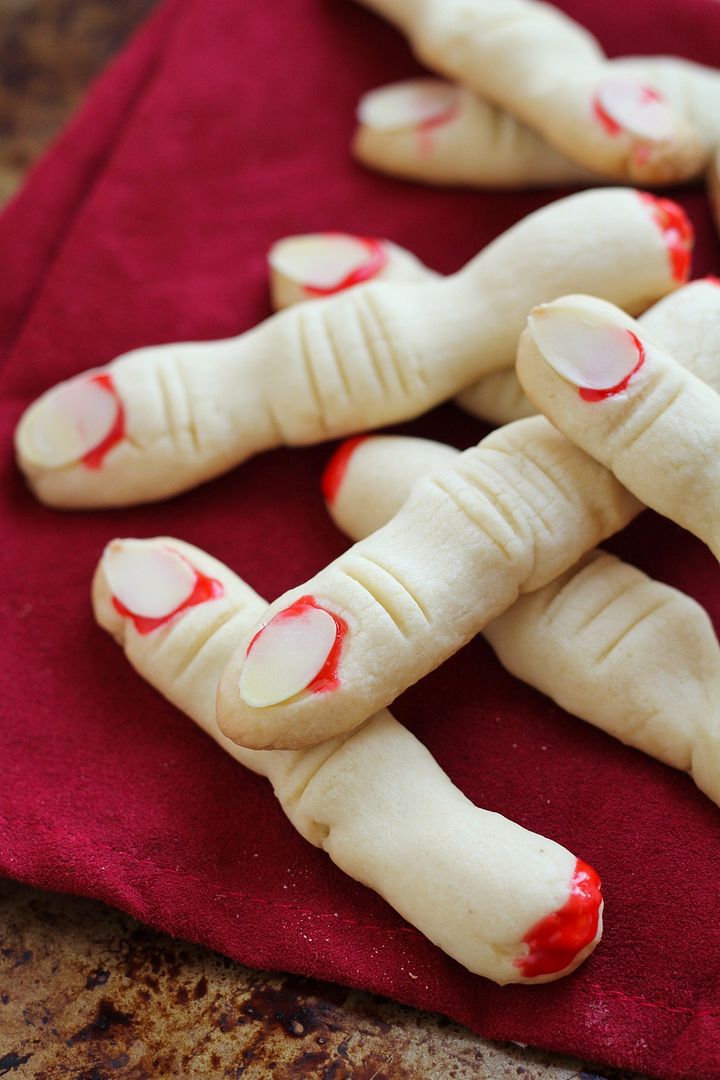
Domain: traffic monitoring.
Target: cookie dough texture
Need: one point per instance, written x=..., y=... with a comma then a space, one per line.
x=659, y=432
x=630, y=655
x=376, y=801
x=505, y=517
x=546, y=70
x=361, y=359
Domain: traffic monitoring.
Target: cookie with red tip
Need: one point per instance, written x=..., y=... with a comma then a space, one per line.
x=635, y=409
x=471, y=880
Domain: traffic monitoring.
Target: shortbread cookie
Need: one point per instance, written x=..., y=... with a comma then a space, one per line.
x=547, y=71
x=439, y=133
x=612, y=389
x=628, y=654
x=393, y=594
x=498, y=397
x=505, y=517
x=506, y=903
x=160, y=420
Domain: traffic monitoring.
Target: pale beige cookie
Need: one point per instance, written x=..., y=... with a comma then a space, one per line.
x=438, y=133
x=160, y=420
x=498, y=397
x=505, y=902
x=628, y=654
x=505, y=517
x=604, y=382
x=546, y=70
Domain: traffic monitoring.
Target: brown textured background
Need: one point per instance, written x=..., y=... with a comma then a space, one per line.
x=88, y=993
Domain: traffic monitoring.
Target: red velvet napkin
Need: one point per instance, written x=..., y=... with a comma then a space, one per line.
x=221, y=128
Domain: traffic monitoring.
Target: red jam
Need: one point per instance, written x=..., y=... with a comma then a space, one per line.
x=95, y=457
x=334, y=475
x=206, y=588
x=327, y=677
x=677, y=231
x=588, y=394
x=555, y=941
x=376, y=261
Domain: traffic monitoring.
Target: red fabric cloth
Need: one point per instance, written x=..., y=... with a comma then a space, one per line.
x=221, y=128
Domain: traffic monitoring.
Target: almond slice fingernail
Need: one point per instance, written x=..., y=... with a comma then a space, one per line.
x=326, y=263
x=150, y=583
x=599, y=359
x=623, y=105
x=79, y=420
x=297, y=650
x=415, y=103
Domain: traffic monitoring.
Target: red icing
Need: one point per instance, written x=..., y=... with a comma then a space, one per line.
x=588, y=394
x=376, y=261
x=426, y=127
x=327, y=677
x=336, y=467
x=711, y=279
x=206, y=588
x=555, y=941
x=677, y=231
x=94, y=458
x=609, y=122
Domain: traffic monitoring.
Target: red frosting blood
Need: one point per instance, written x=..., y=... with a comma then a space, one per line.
x=589, y=394
x=332, y=478
x=426, y=127
x=555, y=941
x=206, y=588
x=377, y=258
x=609, y=122
x=677, y=231
x=95, y=457
x=327, y=677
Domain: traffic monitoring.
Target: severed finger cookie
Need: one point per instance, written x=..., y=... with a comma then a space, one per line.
x=163, y=419
x=628, y=654
x=295, y=262
x=505, y=902
x=539, y=65
x=502, y=518
x=612, y=389
x=439, y=133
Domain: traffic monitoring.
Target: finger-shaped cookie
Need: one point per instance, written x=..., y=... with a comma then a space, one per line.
x=440, y=133
x=159, y=420
x=628, y=654
x=612, y=389
x=498, y=397
x=537, y=64
x=505, y=902
x=505, y=517
x=296, y=262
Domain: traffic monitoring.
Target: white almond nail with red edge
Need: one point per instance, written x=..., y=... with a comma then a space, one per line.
x=150, y=582
x=68, y=422
x=323, y=261
x=406, y=105
x=637, y=109
x=581, y=347
x=287, y=655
